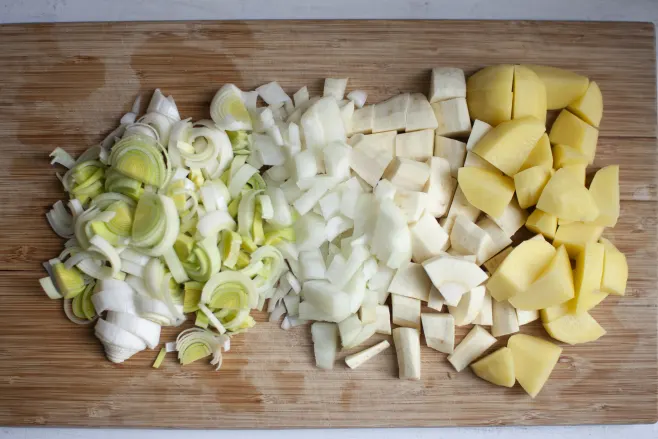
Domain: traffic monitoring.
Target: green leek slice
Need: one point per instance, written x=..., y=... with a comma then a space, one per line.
x=192, y=295
x=183, y=246
x=70, y=282
x=230, y=244
x=122, y=222
x=141, y=158
x=160, y=358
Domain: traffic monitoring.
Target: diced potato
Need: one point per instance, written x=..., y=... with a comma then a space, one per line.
x=589, y=107
x=529, y=94
x=411, y=281
x=478, y=131
x=420, y=115
x=453, y=276
x=439, y=330
x=406, y=311
x=497, y=368
x=452, y=150
x=543, y=223
x=372, y=154
x=469, y=306
x=447, y=83
x=417, y=145
x=476, y=342
x=554, y=312
x=407, y=174
x=485, y=316
x=566, y=197
x=538, y=237
x=496, y=77
x=407, y=348
x=362, y=120
x=475, y=161
x=440, y=187
x=452, y=117
x=565, y=155
x=524, y=317
x=541, y=155
x=605, y=191
x=534, y=360
x=512, y=219
x=492, y=264
x=383, y=321
x=505, y=321
x=509, y=144
x=529, y=184
x=411, y=203
x=469, y=239
x=587, y=278
x=485, y=190
x=523, y=265
x=491, y=106
x=553, y=286
x=615, y=270
x=459, y=206
x=575, y=236
x=391, y=115
x=428, y=239
x=569, y=130
x=574, y=328
x=355, y=360
x=499, y=239
x=579, y=172
x=325, y=343
x=562, y=86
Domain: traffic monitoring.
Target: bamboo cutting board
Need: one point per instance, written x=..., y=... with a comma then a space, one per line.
x=67, y=84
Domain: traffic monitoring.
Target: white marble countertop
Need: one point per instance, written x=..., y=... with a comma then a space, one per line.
x=21, y=11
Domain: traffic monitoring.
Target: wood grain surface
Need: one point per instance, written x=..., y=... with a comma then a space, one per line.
x=67, y=85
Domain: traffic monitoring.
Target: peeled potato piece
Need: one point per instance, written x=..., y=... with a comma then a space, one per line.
x=562, y=86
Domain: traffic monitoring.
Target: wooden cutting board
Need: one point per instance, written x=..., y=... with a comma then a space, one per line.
x=67, y=85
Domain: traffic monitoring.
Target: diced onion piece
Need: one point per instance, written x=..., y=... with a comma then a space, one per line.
x=358, y=97
x=272, y=94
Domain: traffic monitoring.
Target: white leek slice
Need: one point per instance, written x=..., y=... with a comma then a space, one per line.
x=49, y=288
x=194, y=344
x=212, y=318
x=119, y=343
x=148, y=331
x=211, y=223
x=244, y=286
x=228, y=109
x=160, y=104
x=59, y=156
x=117, y=300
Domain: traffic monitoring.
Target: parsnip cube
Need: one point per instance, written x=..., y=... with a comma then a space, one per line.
x=411, y=281
x=565, y=155
x=452, y=150
x=476, y=342
x=485, y=315
x=368, y=310
x=372, y=154
x=488, y=191
x=615, y=270
x=541, y=155
x=420, y=115
x=529, y=185
x=566, y=197
x=407, y=348
x=512, y=219
x=587, y=277
x=469, y=306
x=391, y=115
x=543, y=223
x=406, y=311
x=452, y=117
x=355, y=360
x=497, y=368
x=440, y=187
x=562, y=86
x=492, y=264
x=349, y=329
x=428, y=239
x=439, y=331
x=505, y=321
x=575, y=236
x=447, y=83
x=325, y=343
x=407, y=174
x=534, y=360
x=575, y=328
x=524, y=317
x=411, y=203
x=383, y=319
x=569, y=130
x=499, y=239
x=475, y=161
x=453, y=277
x=478, y=131
x=459, y=206
x=589, y=107
x=469, y=239
x=363, y=120
x=605, y=191
x=417, y=145
x=436, y=300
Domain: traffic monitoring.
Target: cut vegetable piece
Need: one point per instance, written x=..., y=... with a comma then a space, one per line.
x=412, y=204
x=529, y=94
x=554, y=312
x=541, y=155
x=469, y=306
x=363, y=120
x=325, y=344
x=574, y=236
x=489, y=94
x=478, y=131
x=615, y=270
x=453, y=277
x=407, y=348
x=476, y=342
x=524, y=317
x=383, y=322
x=439, y=331
x=486, y=190
x=497, y=368
x=335, y=88
x=337, y=158
x=391, y=115
x=228, y=109
x=562, y=86
x=605, y=191
x=529, y=185
x=534, y=360
x=428, y=239
x=420, y=115
x=327, y=298
x=411, y=281
x=372, y=154
x=575, y=328
x=499, y=239
x=440, y=187
x=459, y=206
x=485, y=315
x=519, y=269
x=452, y=117
x=553, y=286
x=469, y=239
x=543, y=223
x=505, y=321
x=355, y=360
x=475, y=161
x=452, y=150
x=508, y=145
x=69, y=281
x=569, y=130
x=406, y=311
x=587, y=277
x=565, y=155
x=160, y=358
x=417, y=145
x=447, y=83
x=358, y=97
x=407, y=174
x=589, y=107
x=492, y=264
x=146, y=330
x=567, y=198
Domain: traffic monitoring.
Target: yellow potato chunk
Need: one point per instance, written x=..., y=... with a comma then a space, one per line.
x=569, y=130
x=589, y=107
x=534, y=360
x=488, y=191
x=575, y=328
x=489, y=94
x=541, y=154
x=567, y=198
x=520, y=269
x=605, y=191
x=564, y=155
x=542, y=222
x=562, y=86
x=578, y=171
x=508, y=145
x=554, y=312
x=529, y=94
x=615, y=270
x=498, y=77
x=529, y=184
x=497, y=368
x=553, y=286
x=574, y=236
x=587, y=278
